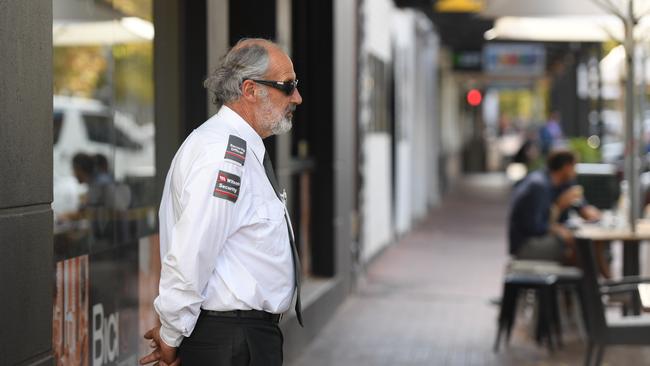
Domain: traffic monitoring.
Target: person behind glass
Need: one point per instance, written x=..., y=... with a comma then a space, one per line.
x=229, y=262
x=551, y=133
x=536, y=230
x=102, y=172
x=92, y=204
x=93, y=171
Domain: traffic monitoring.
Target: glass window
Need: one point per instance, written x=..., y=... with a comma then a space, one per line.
x=123, y=140
x=58, y=122
x=105, y=229
x=99, y=128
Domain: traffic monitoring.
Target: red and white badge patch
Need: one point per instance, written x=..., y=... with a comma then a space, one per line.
x=227, y=186
x=236, y=149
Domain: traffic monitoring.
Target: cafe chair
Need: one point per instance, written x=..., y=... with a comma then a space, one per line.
x=547, y=318
x=545, y=278
x=604, y=330
x=624, y=291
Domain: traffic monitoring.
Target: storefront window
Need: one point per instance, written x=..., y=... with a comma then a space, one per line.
x=105, y=229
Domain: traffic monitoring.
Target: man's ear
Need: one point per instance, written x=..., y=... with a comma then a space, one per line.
x=248, y=90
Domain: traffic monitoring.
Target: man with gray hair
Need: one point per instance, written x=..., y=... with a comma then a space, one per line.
x=229, y=262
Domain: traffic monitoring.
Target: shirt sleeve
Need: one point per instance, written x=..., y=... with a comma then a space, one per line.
x=198, y=235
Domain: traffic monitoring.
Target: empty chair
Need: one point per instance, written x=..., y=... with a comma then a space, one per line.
x=546, y=279
x=601, y=331
x=548, y=319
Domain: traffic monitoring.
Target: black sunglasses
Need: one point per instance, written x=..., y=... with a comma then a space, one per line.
x=285, y=86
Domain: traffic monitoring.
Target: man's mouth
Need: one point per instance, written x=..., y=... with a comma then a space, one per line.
x=290, y=110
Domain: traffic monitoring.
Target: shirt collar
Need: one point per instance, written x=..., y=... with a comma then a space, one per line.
x=253, y=140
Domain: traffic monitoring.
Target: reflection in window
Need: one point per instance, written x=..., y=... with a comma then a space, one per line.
x=58, y=122
x=123, y=140
x=104, y=180
x=98, y=128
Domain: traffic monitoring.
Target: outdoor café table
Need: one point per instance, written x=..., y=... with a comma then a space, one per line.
x=586, y=234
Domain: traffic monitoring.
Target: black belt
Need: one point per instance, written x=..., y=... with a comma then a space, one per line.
x=244, y=314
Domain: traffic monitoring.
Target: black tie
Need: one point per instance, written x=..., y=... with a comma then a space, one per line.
x=270, y=173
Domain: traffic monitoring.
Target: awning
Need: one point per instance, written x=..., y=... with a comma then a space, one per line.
x=124, y=30
x=593, y=28
x=558, y=21
x=549, y=8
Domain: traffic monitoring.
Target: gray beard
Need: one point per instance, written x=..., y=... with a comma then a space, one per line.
x=282, y=126
x=279, y=123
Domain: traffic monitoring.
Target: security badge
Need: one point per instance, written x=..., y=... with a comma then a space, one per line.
x=227, y=186
x=236, y=149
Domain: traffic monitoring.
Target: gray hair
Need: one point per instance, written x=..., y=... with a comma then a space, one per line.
x=240, y=63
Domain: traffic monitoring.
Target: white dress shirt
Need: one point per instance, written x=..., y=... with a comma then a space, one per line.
x=224, y=245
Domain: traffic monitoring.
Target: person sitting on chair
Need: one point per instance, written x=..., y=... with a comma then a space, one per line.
x=538, y=202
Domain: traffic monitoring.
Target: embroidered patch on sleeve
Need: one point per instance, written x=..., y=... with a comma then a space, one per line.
x=236, y=150
x=227, y=186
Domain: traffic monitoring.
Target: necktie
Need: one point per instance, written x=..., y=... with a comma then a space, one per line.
x=270, y=173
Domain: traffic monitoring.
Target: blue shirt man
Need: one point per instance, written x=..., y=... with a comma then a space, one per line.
x=530, y=208
x=535, y=223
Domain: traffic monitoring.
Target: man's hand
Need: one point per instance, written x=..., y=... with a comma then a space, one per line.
x=569, y=197
x=565, y=234
x=162, y=354
x=590, y=213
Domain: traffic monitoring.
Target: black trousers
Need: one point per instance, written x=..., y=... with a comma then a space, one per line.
x=222, y=341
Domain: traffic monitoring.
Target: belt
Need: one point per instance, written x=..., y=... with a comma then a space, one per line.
x=244, y=314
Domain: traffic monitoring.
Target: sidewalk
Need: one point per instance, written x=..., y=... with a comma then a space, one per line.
x=426, y=300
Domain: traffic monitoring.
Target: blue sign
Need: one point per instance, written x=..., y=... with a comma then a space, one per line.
x=514, y=59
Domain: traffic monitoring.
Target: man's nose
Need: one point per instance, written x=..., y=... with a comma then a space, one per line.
x=296, y=98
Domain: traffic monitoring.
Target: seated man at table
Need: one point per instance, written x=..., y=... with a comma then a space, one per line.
x=539, y=201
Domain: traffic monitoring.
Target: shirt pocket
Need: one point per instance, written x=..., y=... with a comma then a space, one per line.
x=271, y=233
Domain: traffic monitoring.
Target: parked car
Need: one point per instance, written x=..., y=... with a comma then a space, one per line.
x=89, y=126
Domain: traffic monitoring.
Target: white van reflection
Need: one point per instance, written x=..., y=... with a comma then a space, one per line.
x=87, y=126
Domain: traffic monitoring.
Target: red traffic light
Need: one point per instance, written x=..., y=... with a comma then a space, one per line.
x=474, y=97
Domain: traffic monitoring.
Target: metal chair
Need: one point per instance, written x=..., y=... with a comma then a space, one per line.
x=603, y=332
x=548, y=327
x=547, y=279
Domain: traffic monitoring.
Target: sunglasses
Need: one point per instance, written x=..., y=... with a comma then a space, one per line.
x=287, y=87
